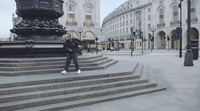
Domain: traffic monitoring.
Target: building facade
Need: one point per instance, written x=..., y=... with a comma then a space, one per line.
x=151, y=18
x=82, y=18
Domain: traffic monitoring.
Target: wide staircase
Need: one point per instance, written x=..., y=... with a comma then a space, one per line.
x=37, y=85
x=33, y=66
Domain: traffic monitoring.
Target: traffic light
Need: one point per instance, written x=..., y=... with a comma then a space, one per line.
x=134, y=33
x=131, y=31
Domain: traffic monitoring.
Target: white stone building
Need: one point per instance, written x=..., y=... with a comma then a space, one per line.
x=84, y=14
x=161, y=16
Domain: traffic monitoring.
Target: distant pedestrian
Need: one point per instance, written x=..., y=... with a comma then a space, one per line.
x=71, y=47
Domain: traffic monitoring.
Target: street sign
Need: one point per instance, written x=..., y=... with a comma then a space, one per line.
x=132, y=37
x=102, y=42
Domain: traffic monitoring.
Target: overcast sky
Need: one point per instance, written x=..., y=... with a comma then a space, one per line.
x=8, y=7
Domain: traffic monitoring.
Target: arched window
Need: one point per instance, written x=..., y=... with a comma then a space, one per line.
x=175, y=13
x=161, y=16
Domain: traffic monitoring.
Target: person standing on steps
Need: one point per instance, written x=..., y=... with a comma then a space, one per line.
x=71, y=47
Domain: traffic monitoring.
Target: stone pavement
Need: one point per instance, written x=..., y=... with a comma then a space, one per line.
x=182, y=83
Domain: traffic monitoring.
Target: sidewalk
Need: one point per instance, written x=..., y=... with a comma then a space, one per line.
x=183, y=85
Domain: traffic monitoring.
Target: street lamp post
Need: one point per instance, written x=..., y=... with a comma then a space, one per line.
x=141, y=37
x=80, y=30
x=132, y=41
x=96, y=45
x=152, y=39
x=188, y=55
x=180, y=30
x=144, y=43
x=168, y=39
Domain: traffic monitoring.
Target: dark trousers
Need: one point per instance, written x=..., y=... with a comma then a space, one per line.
x=69, y=58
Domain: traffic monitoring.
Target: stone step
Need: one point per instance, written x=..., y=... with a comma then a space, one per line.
x=52, y=66
x=49, y=62
x=50, y=71
x=81, y=63
x=61, y=90
x=71, y=97
x=31, y=60
x=90, y=101
x=110, y=72
x=66, y=84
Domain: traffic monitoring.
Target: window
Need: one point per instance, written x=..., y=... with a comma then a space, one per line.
x=149, y=10
x=126, y=16
x=149, y=26
x=161, y=16
x=71, y=8
x=193, y=9
x=131, y=21
x=127, y=22
x=137, y=3
x=87, y=0
x=120, y=31
x=175, y=13
x=70, y=18
x=123, y=24
x=131, y=15
x=149, y=17
x=139, y=23
x=123, y=31
x=161, y=2
x=88, y=20
x=126, y=30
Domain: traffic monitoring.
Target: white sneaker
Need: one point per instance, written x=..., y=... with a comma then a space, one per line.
x=79, y=71
x=64, y=72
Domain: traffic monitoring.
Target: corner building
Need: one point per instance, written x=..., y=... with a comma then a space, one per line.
x=155, y=18
x=82, y=18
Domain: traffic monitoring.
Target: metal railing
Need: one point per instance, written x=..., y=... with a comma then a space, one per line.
x=193, y=20
x=88, y=24
x=71, y=23
x=161, y=25
x=174, y=23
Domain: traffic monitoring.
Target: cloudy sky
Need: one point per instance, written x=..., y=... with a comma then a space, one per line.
x=7, y=8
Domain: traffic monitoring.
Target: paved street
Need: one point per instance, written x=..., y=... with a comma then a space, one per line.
x=182, y=83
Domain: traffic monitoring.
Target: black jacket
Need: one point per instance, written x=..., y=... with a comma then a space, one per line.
x=73, y=45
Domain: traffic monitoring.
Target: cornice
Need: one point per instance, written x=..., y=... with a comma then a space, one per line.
x=124, y=12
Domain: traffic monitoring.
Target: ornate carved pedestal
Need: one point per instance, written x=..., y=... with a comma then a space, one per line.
x=39, y=32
